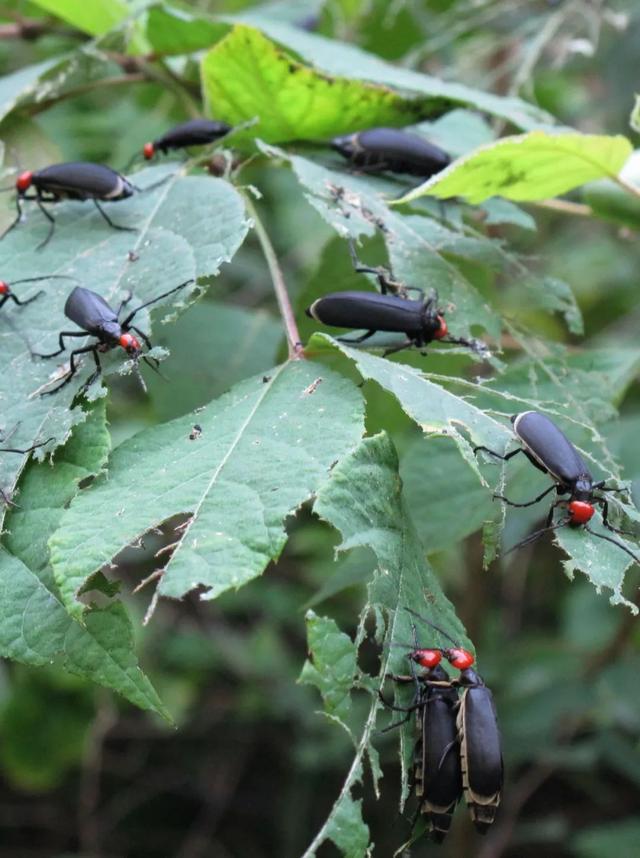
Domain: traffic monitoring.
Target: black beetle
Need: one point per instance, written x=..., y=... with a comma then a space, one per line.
x=549, y=450
x=478, y=734
x=437, y=778
x=380, y=149
x=76, y=180
x=420, y=320
x=195, y=132
x=92, y=313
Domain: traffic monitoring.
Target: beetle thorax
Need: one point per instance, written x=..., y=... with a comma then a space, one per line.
x=110, y=333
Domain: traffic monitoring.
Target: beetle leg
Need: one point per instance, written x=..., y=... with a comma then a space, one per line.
x=357, y=339
x=61, y=343
x=406, y=345
x=605, y=519
x=73, y=369
x=16, y=221
x=23, y=303
x=110, y=222
x=49, y=217
x=528, y=503
x=504, y=458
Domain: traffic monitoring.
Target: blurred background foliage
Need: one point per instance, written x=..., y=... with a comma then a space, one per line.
x=252, y=769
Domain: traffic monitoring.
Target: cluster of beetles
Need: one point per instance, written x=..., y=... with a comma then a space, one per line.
x=458, y=749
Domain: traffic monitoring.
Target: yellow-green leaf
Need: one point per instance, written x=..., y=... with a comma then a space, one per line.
x=246, y=76
x=95, y=17
x=531, y=166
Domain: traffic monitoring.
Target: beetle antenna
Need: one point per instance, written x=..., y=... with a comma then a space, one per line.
x=136, y=369
x=615, y=542
x=154, y=367
x=131, y=315
x=433, y=625
x=535, y=536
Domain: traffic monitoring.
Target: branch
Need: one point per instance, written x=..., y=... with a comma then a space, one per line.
x=30, y=29
x=279, y=286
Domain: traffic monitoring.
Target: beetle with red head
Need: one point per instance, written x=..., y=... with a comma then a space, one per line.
x=93, y=314
x=549, y=450
x=195, y=132
x=437, y=779
x=76, y=180
x=478, y=735
x=421, y=320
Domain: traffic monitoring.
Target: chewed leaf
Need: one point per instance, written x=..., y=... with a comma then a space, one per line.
x=531, y=166
x=169, y=247
x=434, y=409
x=262, y=449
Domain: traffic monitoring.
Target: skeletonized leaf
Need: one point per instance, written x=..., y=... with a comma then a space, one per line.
x=531, y=166
x=34, y=627
x=170, y=246
x=264, y=448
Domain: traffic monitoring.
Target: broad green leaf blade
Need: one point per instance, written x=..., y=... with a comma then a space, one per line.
x=22, y=85
x=434, y=409
x=95, y=18
x=332, y=667
x=171, y=30
x=264, y=448
x=34, y=627
x=363, y=501
x=532, y=166
x=246, y=76
x=237, y=341
x=186, y=228
x=417, y=246
x=340, y=59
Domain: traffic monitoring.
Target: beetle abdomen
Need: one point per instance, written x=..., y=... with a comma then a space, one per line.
x=82, y=180
x=368, y=310
x=393, y=149
x=195, y=132
x=550, y=447
x=481, y=755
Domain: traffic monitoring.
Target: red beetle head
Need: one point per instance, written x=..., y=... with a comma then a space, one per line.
x=4, y=287
x=459, y=658
x=442, y=330
x=148, y=150
x=580, y=512
x=23, y=182
x=426, y=657
x=130, y=344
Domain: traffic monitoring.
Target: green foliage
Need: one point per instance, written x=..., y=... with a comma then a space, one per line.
x=255, y=453
x=533, y=166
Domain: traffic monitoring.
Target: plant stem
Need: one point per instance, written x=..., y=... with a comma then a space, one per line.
x=279, y=286
x=634, y=190
x=565, y=206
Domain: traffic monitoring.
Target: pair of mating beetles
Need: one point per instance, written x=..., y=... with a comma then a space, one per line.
x=458, y=749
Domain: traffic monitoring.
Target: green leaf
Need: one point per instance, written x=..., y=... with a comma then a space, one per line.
x=35, y=629
x=363, y=501
x=418, y=247
x=171, y=30
x=95, y=18
x=345, y=60
x=186, y=228
x=332, y=667
x=246, y=76
x=432, y=407
x=265, y=448
x=532, y=166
